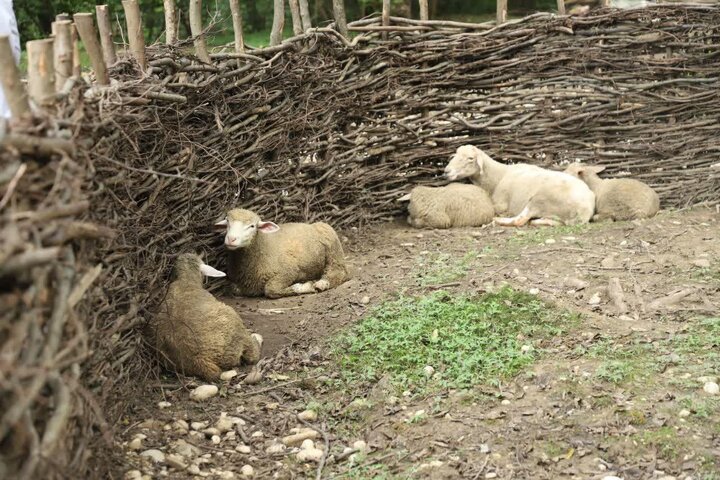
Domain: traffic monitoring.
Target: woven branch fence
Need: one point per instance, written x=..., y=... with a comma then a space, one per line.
x=317, y=128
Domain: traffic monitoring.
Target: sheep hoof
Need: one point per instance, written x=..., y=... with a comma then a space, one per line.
x=258, y=338
x=301, y=288
x=321, y=285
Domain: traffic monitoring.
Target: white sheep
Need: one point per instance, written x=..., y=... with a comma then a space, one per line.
x=617, y=198
x=279, y=261
x=526, y=193
x=197, y=334
x=454, y=205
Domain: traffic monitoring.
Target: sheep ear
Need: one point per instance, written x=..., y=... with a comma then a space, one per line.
x=479, y=158
x=209, y=271
x=221, y=226
x=268, y=227
x=594, y=168
x=404, y=198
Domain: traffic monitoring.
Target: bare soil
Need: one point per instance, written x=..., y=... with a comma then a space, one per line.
x=565, y=417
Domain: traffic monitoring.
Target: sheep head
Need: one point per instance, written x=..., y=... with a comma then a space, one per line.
x=241, y=226
x=583, y=171
x=191, y=266
x=467, y=161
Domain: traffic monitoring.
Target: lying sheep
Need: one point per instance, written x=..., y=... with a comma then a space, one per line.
x=617, y=198
x=526, y=193
x=266, y=259
x=454, y=205
x=195, y=333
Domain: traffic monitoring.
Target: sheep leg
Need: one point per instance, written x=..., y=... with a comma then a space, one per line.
x=251, y=354
x=205, y=369
x=517, y=221
x=277, y=288
x=545, y=221
x=335, y=272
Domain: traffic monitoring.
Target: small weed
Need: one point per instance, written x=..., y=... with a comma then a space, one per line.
x=664, y=440
x=614, y=371
x=701, y=407
x=534, y=235
x=444, y=268
x=367, y=472
x=467, y=340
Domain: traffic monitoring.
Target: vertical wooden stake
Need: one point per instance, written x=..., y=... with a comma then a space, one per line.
x=41, y=72
x=196, y=30
x=561, y=7
x=296, y=20
x=237, y=26
x=136, y=38
x=103, y=21
x=77, y=64
x=170, y=21
x=276, y=34
x=501, y=11
x=385, y=16
x=305, y=15
x=11, y=84
x=605, y=3
x=88, y=34
x=424, y=11
x=62, y=52
x=340, y=17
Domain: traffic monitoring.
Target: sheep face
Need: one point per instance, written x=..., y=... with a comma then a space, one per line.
x=191, y=267
x=583, y=171
x=241, y=226
x=467, y=161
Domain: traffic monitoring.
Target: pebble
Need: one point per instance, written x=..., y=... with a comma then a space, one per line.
x=224, y=423
x=253, y=377
x=203, y=392
x=484, y=448
x=684, y=413
x=176, y=461
x=428, y=371
x=156, y=455
x=491, y=475
x=181, y=447
x=194, y=470
x=199, y=425
x=701, y=262
x=550, y=241
x=309, y=455
x=595, y=299
x=211, y=431
x=308, y=415
x=298, y=438
x=365, y=300
x=360, y=445
x=257, y=434
x=242, y=448
x=247, y=471
x=230, y=374
x=711, y=388
x=133, y=475
x=226, y=475
x=534, y=291
x=707, y=379
x=136, y=443
x=526, y=348
x=164, y=404
x=505, y=402
x=215, y=439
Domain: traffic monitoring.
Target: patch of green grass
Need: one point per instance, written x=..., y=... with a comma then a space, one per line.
x=703, y=408
x=536, y=235
x=665, y=440
x=367, y=472
x=466, y=340
x=614, y=371
x=444, y=267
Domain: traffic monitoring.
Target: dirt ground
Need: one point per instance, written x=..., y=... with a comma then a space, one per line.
x=621, y=395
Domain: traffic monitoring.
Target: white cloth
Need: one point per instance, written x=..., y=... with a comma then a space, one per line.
x=8, y=26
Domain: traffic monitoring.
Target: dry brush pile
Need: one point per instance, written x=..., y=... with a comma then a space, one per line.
x=318, y=128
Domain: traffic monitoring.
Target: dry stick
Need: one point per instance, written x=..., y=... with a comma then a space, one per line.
x=296, y=20
x=340, y=17
x=276, y=34
x=135, y=31
x=385, y=16
x=196, y=30
x=425, y=13
x=108, y=47
x=305, y=15
x=10, y=80
x=38, y=145
x=237, y=28
x=62, y=52
x=41, y=73
x=88, y=34
x=561, y=7
x=171, y=21
x=501, y=11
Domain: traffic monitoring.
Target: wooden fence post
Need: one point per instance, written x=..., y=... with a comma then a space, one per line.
x=340, y=17
x=196, y=30
x=41, y=72
x=561, y=7
x=10, y=77
x=424, y=12
x=295, y=13
x=136, y=38
x=385, y=16
x=501, y=11
x=88, y=34
x=237, y=27
x=276, y=34
x=62, y=52
x=76, y=66
x=170, y=21
x=103, y=21
x=305, y=15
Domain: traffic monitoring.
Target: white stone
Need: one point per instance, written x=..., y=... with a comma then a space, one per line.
x=198, y=425
x=428, y=371
x=484, y=448
x=711, y=388
x=203, y=392
x=534, y=291
x=224, y=423
x=135, y=443
x=550, y=241
x=228, y=375
x=215, y=439
x=360, y=445
x=526, y=348
x=595, y=299
x=247, y=471
x=155, y=455
x=684, y=413
x=365, y=300
x=176, y=461
x=164, y=404
x=257, y=434
x=310, y=455
x=211, y=431
x=308, y=415
x=133, y=475
x=306, y=444
x=243, y=448
x=505, y=402
x=491, y=475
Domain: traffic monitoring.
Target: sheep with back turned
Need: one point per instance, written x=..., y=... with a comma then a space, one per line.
x=195, y=333
x=617, y=198
x=281, y=260
x=454, y=205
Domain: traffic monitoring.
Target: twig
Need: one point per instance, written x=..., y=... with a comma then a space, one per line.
x=13, y=183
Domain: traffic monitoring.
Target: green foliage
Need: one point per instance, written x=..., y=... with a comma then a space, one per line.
x=614, y=371
x=445, y=267
x=466, y=340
